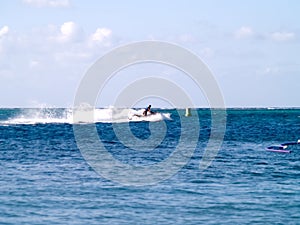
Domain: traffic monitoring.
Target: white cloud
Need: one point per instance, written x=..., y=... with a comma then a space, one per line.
x=34, y=64
x=283, y=36
x=6, y=73
x=69, y=31
x=4, y=30
x=66, y=46
x=48, y=3
x=64, y=56
x=243, y=32
x=269, y=70
x=5, y=41
x=101, y=34
x=43, y=57
x=101, y=37
x=187, y=38
x=207, y=52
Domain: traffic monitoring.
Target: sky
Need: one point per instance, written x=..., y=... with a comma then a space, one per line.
x=252, y=47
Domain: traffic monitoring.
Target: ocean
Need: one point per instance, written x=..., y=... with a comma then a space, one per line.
x=46, y=178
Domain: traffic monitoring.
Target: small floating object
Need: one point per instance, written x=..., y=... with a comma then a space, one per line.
x=283, y=147
x=188, y=112
x=292, y=143
x=278, y=148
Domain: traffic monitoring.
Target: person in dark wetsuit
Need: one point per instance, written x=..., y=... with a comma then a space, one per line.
x=147, y=111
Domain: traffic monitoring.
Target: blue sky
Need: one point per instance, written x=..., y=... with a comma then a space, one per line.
x=252, y=47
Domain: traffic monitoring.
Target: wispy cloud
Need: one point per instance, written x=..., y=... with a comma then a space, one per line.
x=207, y=52
x=62, y=45
x=283, y=36
x=48, y=3
x=243, y=32
x=246, y=32
x=3, y=31
x=268, y=70
x=187, y=38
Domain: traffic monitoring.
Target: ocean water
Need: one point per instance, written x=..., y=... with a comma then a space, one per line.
x=44, y=178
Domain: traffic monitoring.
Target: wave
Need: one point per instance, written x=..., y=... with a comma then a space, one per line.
x=67, y=116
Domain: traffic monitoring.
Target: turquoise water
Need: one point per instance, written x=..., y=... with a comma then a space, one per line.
x=45, y=180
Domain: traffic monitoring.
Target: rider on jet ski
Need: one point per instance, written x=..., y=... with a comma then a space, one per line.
x=147, y=111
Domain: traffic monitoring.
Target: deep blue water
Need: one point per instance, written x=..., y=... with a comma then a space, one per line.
x=44, y=178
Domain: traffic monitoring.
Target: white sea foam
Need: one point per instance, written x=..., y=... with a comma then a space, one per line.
x=61, y=116
x=41, y=116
